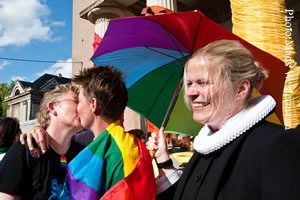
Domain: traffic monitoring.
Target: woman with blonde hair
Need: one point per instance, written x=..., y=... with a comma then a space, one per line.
x=230, y=148
x=24, y=177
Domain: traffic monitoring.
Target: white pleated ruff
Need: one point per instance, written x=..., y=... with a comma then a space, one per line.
x=258, y=108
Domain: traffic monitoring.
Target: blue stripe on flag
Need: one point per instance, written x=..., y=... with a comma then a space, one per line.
x=87, y=167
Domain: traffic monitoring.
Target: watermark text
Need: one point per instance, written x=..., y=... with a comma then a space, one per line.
x=289, y=43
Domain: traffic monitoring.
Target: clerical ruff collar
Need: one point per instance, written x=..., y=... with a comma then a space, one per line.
x=258, y=108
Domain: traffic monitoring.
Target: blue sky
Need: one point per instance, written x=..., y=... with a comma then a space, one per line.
x=35, y=30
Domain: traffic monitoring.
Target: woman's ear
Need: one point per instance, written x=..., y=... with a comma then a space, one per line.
x=243, y=89
x=51, y=109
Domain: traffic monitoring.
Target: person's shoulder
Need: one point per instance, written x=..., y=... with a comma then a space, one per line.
x=17, y=146
x=292, y=133
x=280, y=168
x=287, y=143
x=15, y=156
x=74, y=149
x=16, y=152
x=284, y=150
x=265, y=125
x=261, y=135
x=265, y=129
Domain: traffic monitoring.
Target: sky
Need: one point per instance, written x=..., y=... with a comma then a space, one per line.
x=39, y=30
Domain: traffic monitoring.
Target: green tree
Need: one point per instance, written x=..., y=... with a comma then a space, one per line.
x=5, y=90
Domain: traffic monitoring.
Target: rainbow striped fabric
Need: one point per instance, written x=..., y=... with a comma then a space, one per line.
x=114, y=166
x=63, y=161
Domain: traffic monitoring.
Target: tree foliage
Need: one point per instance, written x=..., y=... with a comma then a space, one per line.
x=5, y=89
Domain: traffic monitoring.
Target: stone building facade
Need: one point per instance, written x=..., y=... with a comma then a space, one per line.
x=24, y=99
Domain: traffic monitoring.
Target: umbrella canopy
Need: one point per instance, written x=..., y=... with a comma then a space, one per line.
x=152, y=51
x=180, y=120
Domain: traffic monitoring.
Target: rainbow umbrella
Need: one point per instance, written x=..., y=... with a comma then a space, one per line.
x=152, y=51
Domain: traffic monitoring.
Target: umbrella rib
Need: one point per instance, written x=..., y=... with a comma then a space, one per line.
x=175, y=44
x=169, y=35
x=160, y=52
x=195, y=36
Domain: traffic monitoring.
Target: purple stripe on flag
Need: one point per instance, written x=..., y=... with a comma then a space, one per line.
x=133, y=32
x=79, y=190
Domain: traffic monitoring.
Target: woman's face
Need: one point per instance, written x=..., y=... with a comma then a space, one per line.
x=212, y=103
x=66, y=108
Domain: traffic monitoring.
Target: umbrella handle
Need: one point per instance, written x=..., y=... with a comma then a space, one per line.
x=175, y=94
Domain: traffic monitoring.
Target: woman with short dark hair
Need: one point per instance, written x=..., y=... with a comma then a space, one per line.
x=9, y=133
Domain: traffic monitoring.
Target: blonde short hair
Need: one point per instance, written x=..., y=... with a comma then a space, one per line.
x=51, y=96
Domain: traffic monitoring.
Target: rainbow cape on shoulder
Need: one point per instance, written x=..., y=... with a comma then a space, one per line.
x=115, y=165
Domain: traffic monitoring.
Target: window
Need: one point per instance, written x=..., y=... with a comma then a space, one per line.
x=17, y=92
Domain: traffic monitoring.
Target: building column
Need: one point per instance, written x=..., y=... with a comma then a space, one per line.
x=9, y=110
x=101, y=25
x=24, y=116
x=100, y=16
x=170, y=4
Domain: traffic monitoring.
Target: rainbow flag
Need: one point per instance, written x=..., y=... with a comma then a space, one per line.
x=115, y=165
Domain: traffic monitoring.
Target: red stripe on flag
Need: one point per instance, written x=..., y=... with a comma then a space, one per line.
x=140, y=184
